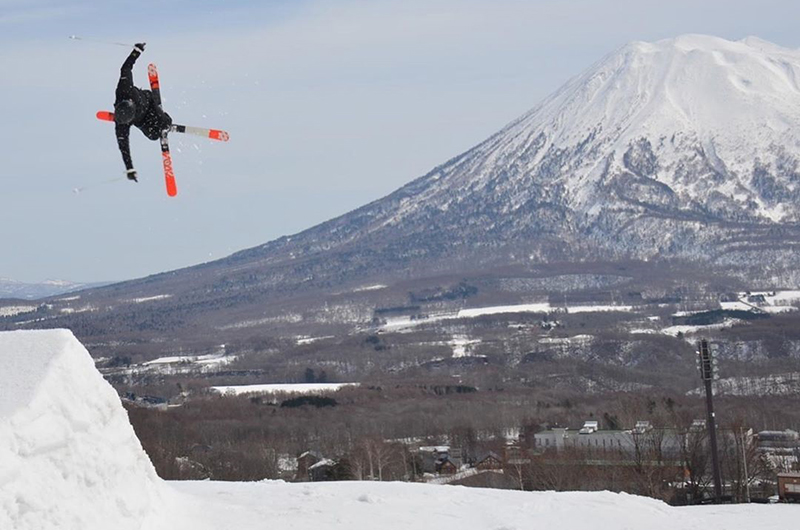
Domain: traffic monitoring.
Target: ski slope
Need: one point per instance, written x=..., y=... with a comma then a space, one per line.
x=69, y=459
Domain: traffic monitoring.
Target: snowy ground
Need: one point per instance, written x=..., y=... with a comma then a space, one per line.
x=395, y=506
x=10, y=311
x=767, y=385
x=274, y=388
x=402, y=323
x=69, y=459
x=772, y=302
x=178, y=364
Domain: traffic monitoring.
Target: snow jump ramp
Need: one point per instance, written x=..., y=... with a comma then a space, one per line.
x=68, y=455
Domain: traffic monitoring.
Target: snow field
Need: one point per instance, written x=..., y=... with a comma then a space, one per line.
x=405, y=322
x=395, y=506
x=10, y=311
x=274, y=388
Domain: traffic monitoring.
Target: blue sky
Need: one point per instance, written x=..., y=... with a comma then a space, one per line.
x=329, y=104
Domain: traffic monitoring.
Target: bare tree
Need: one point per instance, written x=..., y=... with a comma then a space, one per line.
x=652, y=469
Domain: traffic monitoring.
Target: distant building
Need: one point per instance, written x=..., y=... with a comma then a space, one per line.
x=434, y=456
x=626, y=442
x=155, y=402
x=589, y=427
x=560, y=439
x=789, y=487
x=697, y=425
x=642, y=427
x=304, y=463
x=447, y=467
x=489, y=461
x=784, y=443
x=322, y=470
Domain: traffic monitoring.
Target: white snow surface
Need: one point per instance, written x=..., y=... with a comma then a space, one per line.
x=273, y=388
x=767, y=385
x=542, y=307
x=399, y=506
x=462, y=345
x=776, y=298
x=215, y=359
x=181, y=364
x=310, y=340
x=69, y=459
x=68, y=455
x=10, y=311
x=375, y=287
x=148, y=298
x=686, y=330
x=400, y=323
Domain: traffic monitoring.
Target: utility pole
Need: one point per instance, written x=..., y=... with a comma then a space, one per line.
x=707, y=374
x=744, y=465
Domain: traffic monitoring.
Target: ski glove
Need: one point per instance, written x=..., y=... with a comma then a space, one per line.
x=132, y=175
x=139, y=46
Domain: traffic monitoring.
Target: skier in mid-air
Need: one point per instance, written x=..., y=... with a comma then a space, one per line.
x=134, y=106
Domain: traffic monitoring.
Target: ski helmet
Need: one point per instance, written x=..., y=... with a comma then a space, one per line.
x=124, y=111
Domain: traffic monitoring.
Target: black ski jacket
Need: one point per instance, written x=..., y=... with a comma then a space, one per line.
x=148, y=117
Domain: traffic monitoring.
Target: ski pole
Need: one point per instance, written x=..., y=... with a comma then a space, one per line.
x=81, y=189
x=91, y=39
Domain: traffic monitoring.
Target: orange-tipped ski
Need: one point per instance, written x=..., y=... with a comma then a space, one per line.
x=152, y=74
x=222, y=136
x=214, y=134
x=169, y=175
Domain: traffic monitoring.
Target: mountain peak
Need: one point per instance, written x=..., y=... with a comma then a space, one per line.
x=666, y=149
x=710, y=43
x=736, y=102
x=696, y=82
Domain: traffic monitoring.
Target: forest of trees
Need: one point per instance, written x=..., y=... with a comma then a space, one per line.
x=374, y=431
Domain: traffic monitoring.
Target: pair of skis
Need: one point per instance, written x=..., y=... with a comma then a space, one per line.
x=213, y=134
x=166, y=157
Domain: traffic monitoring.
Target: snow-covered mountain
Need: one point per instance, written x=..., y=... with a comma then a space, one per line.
x=15, y=289
x=695, y=123
x=683, y=148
